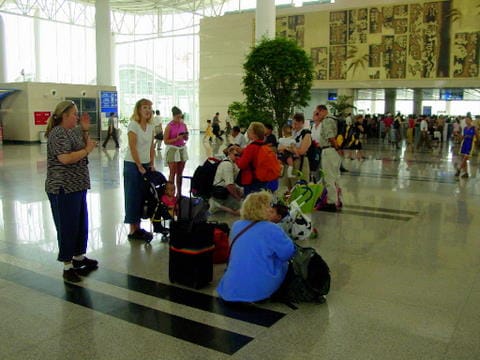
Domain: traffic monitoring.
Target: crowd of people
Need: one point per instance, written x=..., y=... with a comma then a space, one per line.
x=265, y=248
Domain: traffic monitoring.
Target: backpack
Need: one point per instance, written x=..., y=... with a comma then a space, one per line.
x=308, y=279
x=313, y=153
x=267, y=166
x=203, y=177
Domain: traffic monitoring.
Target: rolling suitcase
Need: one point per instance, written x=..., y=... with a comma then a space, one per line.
x=191, y=249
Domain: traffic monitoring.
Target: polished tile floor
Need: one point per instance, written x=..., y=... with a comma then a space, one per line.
x=404, y=256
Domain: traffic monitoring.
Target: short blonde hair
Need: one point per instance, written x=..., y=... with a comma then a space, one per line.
x=255, y=206
x=258, y=129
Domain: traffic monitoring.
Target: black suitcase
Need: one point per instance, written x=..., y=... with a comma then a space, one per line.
x=191, y=250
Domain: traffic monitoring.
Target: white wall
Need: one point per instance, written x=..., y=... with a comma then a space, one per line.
x=18, y=109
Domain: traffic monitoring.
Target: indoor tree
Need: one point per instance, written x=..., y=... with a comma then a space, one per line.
x=278, y=78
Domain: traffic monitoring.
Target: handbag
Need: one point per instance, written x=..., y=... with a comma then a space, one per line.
x=220, y=192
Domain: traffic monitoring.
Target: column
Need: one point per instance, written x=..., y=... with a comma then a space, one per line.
x=417, y=101
x=3, y=51
x=38, y=47
x=103, y=43
x=265, y=19
x=390, y=99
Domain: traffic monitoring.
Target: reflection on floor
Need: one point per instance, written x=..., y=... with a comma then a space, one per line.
x=404, y=255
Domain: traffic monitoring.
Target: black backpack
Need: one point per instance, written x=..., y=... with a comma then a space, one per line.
x=308, y=279
x=203, y=177
x=313, y=153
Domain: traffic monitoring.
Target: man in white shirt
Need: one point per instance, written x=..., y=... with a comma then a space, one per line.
x=238, y=138
x=424, y=136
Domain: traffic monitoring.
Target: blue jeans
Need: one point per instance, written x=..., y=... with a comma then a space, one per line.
x=70, y=215
x=133, y=185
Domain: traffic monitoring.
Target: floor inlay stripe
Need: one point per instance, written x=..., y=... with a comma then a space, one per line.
x=251, y=314
x=375, y=215
x=197, y=333
x=372, y=208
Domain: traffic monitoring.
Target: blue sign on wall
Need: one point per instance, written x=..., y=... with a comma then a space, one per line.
x=108, y=102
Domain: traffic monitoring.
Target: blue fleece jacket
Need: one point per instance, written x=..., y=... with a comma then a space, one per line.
x=258, y=262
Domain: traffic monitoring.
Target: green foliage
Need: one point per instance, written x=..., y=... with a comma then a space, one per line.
x=243, y=115
x=341, y=105
x=278, y=79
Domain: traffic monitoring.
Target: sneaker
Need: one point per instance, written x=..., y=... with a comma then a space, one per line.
x=85, y=263
x=457, y=174
x=141, y=234
x=71, y=275
x=465, y=175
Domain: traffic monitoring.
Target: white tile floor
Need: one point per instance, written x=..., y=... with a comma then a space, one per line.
x=404, y=256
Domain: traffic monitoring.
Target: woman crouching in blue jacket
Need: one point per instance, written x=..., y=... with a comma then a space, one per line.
x=259, y=255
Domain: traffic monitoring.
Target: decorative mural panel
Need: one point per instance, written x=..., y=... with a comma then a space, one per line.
x=320, y=62
x=375, y=55
x=398, y=67
x=400, y=42
x=357, y=26
x=338, y=61
x=375, y=22
x=292, y=28
x=338, y=27
x=405, y=41
x=387, y=18
x=466, y=54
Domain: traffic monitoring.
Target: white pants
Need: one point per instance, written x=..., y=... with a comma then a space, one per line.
x=331, y=169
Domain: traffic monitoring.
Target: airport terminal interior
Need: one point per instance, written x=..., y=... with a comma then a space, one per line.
x=403, y=256
x=404, y=251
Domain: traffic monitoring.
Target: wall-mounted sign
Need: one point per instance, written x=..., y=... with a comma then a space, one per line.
x=41, y=117
x=108, y=102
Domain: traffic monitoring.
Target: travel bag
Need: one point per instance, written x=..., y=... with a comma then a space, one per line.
x=191, y=247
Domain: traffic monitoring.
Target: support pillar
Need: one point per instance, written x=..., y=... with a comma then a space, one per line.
x=103, y=43
x=417, y=101
x=390, y=99
x=3, y=52
x=38, y=48
x=265, y=19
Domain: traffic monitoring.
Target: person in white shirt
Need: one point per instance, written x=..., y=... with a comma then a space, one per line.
x=424, y=136
x=238, y=138
x=225, y=176
x=286, y=144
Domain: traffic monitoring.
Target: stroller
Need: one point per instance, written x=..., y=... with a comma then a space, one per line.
x=153, y=207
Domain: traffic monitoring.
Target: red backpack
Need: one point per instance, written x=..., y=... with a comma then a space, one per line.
x=267, y=165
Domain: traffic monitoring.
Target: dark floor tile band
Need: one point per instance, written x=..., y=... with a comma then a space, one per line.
x=440, y=180
x=375, y=215
x=385, y=210
x=251, y=314
x=192, y=331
